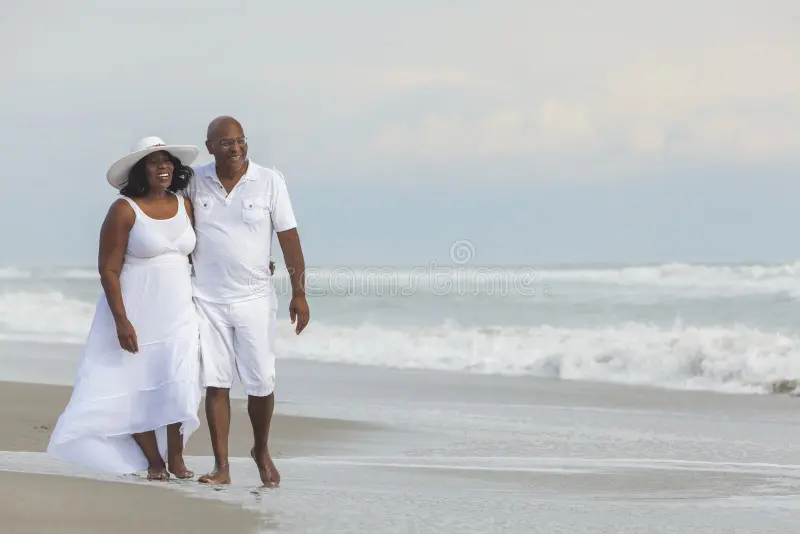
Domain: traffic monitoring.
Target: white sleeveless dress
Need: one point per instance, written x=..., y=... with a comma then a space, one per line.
x=118, y=393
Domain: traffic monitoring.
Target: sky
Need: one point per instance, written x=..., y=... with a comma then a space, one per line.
x=541, y=132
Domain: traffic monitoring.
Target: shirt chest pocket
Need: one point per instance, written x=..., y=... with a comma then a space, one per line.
x=203, y=202
x=255, y=209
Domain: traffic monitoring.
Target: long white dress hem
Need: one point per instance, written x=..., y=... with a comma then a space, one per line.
x=116, y=393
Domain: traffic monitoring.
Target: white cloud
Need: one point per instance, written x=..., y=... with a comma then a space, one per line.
x=730, y=106
x=605, y=85
x=678, y=80
x=555, y=127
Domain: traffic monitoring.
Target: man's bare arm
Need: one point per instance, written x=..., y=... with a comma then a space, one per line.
x=289, y=241
x=293, y=257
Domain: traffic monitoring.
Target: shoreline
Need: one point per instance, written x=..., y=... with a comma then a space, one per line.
x=29, y=412
x=62, y=504
x=367, y=449
x=54, y=363
x=56, y=504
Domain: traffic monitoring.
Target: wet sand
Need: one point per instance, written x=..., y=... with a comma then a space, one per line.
x=55, y=504
x=28, y=413
x=51, y=504
x=377, y=450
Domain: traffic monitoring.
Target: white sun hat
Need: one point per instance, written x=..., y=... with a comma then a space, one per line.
x=117, y=174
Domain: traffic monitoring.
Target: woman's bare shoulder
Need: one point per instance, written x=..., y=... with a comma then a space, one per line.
x=121, y=212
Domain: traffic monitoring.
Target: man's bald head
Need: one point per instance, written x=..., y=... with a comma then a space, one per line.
x=223, y=123
x=225, y=140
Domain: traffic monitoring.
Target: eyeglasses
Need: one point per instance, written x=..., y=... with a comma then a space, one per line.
x=228, y=143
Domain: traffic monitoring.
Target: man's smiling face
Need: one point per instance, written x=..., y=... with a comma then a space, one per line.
x=228, y=145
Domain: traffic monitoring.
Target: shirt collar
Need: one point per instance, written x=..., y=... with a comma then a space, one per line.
x=249, y=175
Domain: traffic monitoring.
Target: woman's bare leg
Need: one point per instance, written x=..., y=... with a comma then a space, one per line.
x=175, y=452
x=156, y=469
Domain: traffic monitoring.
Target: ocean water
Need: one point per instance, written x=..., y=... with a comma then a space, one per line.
x=727, y=328
x=556, y=445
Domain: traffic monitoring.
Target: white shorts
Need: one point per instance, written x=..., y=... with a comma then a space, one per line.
x=240, y=335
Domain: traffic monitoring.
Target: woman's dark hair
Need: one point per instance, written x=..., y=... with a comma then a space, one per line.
x=137, y=185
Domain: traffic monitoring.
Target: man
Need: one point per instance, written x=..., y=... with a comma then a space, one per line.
x=237, y=204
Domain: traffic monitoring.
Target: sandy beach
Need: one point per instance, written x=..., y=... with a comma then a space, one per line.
x=64, y=505
x=364, y=449
x=51, y=504
x=28, y=413
x=36, y=503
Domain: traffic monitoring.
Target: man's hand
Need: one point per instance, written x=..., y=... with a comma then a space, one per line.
x=298, y=310
x=271, y=268
x=296, y=265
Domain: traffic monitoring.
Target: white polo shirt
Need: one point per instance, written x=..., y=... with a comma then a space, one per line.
x=234, y=232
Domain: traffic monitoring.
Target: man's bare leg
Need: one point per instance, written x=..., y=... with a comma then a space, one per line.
x=175, y=461
x=218, y=413
x=260, y=410
x=156, y=470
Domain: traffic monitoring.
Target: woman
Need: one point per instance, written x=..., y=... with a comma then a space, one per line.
x=137, y=392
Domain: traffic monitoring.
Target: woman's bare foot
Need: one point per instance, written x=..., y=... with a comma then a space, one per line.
x=157, y=473
x=220, y=475
x=178, y=468
x=266, y=469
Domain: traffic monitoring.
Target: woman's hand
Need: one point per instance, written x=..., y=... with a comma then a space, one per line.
x=127, y=336
x=113, y=242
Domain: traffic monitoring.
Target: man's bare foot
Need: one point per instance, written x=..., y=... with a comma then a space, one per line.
x=178, y=468
x=220, y=475
x=157, y=473
x=266, y=468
